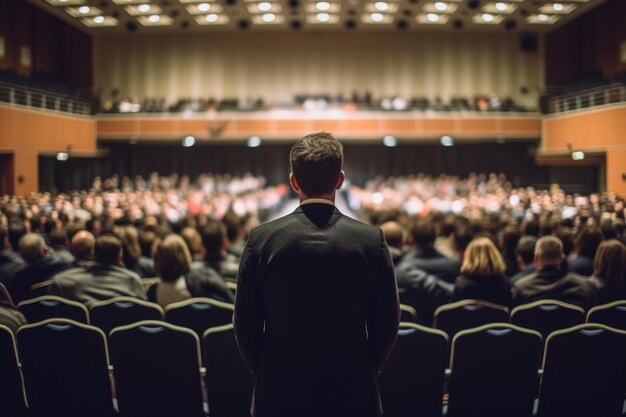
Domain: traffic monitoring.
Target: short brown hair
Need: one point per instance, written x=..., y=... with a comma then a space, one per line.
x=482, y=258
x=549, y=248
x=316, y=162
x=171, y=258
x=609, y=265
x=107, y=249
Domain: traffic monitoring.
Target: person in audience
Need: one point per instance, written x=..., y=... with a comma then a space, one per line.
x=172, y=262
x=101, y=279
x=609, y=271
x=587, y=243
x=525, y=255
x=10, y=260
x=508, y=242
x=482, y=274
x=424, y=256
x=317, y=311
x=9, y=315
x=193, y=240
x=216, y=256
x=42, y=264
x=416, y=288
x=83, y=247
x=551, y=280
x=444, y=243
x=133, y=258
x=59, y=244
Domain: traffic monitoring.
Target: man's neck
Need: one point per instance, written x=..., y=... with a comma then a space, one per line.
x=328, y=197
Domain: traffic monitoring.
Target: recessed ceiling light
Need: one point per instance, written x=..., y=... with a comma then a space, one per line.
x=578, y=155
x=557, y=6
x=446, y=141
x=154, y=18
x=542, y=17
x=204, y=7
x=211, y=18
x=432, y=17
x=377, y=17
x=381, y=5
x=62, y=156
x=441, y=6
x=268, y=17
x=323, y=5
x=98, y=19
x=254, y=142
x=487, y=17
x=189, y=141
x=501, y=6
x=265, y=6
x=323, y=17
x=390, y=141
x=84, y=9
x=143, y=8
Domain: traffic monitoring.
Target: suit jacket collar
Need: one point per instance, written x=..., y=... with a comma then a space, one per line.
x=318, y=213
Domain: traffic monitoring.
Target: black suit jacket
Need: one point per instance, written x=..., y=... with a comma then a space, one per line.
x=316, y=314
x=34, y=273
x=431, y=261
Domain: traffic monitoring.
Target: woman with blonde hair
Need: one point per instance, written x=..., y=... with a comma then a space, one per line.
x=482, y=274
x=609, y=271
x=172, y=263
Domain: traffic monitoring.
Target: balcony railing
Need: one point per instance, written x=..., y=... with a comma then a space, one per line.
x=44, y=100
x=610, y=94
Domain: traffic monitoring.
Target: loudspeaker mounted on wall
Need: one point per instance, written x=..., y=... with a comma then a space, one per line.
x=528, y=42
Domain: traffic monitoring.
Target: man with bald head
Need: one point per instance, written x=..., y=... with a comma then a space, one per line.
x=41, y=265
x=552, y=279
x=82, y=247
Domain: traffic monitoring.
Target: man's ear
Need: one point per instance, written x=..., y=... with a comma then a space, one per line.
x=340, y=180
x=294, y=183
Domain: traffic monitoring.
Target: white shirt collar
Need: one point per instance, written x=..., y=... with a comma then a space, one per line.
x=317, y=201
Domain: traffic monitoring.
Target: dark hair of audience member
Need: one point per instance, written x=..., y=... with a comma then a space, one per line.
x=108, y=249
x=526, y=248
x=16, y=231
x=192, y=239
x=146, y=239
x=130, y=243
x=171, y=258
x=588, y=240
x=58, y=237
x=609, y=265
x=511, y=234
x=462, y=237
x=316, y=162
x=608, y=230
x=393, y=233
x=422, y=231
x=566, y=237
x=531, y=228
x=214, y=240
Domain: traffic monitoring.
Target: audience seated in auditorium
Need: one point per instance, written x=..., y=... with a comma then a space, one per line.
x=587, y=243
x=9, y=316
x=525, y=256
x=416, y=288
x=508, y=242
x=10, y=259
x=42, y=264
x=482, y=274
x=172, y=262
x=133, y=258
x=424, y=256
x=82, y=246
x=609, y=271
x=193, y=240
x=552, y=280
x=216, y=256
x=101, y=279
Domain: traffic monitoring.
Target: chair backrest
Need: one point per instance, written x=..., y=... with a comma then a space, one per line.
x=53, y=307
x=157, y=370
x=149, y=282
x=65, y=366
x=412, y=381
x=199, y=314
x=465, y=314
x=40, y=288
x=546, y=316
x=228, y=381
x=584, y=372
x=10, y=382
x=612, y=314
x=407, y=313
x=120, y=311
x=494, y=371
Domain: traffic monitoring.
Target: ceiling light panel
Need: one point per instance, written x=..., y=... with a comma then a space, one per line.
x=83, y=11
x=542, y=19
x=155, y=20
x=212, y=19
x=557, y=8
x=377, y=18
x=377, y=7
x=432, y=18
x=268, y=19
x=264, y=7
x=99, y=21
x=439, y=7
x=323, y=18
x=487, y=19
x=66, y=2
x=323, y=7
x=204, y=8
x=499, y=7
x=127, y=2
x=143, y=9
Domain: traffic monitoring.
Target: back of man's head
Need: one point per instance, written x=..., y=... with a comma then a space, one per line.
x=58, y=237
x=510, y=237
x=525, y=249
x=394, y=234
x=549, y=251
x=82, y=245
x=32, y=247
x=192, y=239
x=16, y=231
x=316, y=162
x=423, y=232
x=108, y=250
x=214, y=240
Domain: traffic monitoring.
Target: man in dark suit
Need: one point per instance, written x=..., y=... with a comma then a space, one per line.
x=552, y=280
x=316, y=313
